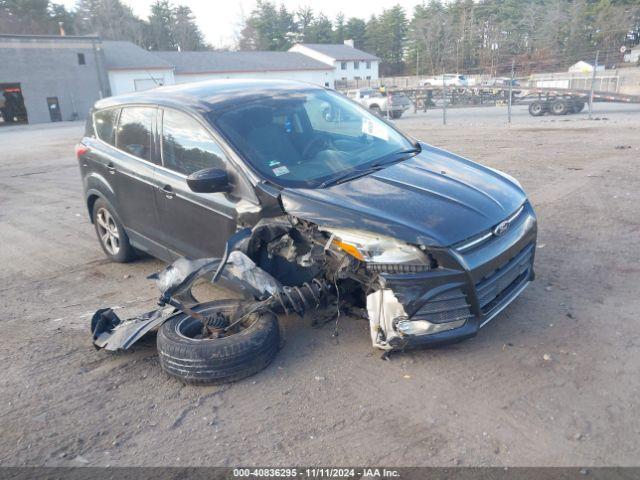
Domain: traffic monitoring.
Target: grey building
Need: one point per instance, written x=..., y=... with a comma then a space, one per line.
x=50, y=78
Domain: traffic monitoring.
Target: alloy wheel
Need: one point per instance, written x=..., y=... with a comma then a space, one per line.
x=108, y=231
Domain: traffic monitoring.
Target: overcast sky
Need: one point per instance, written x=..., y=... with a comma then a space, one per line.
x=220, y=20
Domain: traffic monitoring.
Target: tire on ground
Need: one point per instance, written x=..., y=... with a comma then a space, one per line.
x=126, y=252
x=396, y=114
x=221, y=360
x=375, y=109
x=537, y=108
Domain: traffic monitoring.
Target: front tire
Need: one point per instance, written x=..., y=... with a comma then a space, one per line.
x=185, y=355
x=111, y=234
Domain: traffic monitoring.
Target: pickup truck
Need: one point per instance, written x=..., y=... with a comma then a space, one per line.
x=381, y=102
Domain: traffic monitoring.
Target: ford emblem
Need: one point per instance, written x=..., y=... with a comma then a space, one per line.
x=501, y=229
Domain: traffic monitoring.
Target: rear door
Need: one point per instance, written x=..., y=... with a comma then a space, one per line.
x=194, y=224
x=133, y=168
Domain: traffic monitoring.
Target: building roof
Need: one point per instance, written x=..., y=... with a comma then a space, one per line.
x=339, y=51
x=228, y=62
x=121, y=55
x=62, y=38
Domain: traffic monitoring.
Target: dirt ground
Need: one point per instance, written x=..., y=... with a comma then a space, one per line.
x=554, y=380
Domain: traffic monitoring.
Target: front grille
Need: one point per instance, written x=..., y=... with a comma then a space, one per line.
x=445, y=307
x=497, y=285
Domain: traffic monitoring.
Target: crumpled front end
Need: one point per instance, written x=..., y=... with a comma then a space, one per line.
x=473, y=282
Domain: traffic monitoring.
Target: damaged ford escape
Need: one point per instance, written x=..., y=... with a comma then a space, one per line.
x=297, y=198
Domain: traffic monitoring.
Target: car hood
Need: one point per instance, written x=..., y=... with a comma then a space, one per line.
x=435, y=198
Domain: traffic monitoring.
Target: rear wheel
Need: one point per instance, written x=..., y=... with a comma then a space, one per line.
x=111, y=234
x=248, y=347
x=559, y=107
x=537, y=108
x=396, y=114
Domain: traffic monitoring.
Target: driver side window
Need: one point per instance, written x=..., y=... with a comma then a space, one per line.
x=186, y=146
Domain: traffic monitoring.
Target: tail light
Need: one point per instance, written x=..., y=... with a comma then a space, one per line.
x=81, y=149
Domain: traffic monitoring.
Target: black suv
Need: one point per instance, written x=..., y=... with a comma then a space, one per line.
x=441, y=244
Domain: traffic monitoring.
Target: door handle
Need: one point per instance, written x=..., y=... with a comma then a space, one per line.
x=110, y=168
x=168, y=191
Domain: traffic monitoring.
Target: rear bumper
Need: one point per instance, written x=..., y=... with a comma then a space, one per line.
x=468, y=290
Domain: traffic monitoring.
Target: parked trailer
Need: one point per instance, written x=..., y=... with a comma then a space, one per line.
x=563, y=101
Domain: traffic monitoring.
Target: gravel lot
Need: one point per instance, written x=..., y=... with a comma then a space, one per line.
x=552, y=381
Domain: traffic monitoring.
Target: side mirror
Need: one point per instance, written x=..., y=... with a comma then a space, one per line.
x=209, y=180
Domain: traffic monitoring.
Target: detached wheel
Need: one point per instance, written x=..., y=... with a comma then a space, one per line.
x=205, y=360
x=111, y=235
x=559, y=107
x=537, y=108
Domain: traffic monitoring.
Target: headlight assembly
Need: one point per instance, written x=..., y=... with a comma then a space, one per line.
x=380, y=253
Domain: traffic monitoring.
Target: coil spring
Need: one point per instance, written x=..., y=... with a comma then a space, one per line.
x=309, y=295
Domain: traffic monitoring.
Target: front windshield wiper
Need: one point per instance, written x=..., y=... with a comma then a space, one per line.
x=379, y=164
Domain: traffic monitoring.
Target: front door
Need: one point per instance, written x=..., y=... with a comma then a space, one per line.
x=54, y=109
x=194, y=224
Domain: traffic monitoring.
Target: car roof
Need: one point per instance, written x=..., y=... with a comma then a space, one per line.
x=210, y=95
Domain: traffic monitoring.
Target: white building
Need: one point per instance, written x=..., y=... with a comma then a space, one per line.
x=133, y=69
x=207, y=65
x=633, y=55
x=348, y=62
x=584, y=67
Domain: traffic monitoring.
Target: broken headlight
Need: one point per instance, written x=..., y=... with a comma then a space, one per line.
x=380, y=253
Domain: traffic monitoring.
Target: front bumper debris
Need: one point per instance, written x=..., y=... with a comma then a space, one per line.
x=453, y=302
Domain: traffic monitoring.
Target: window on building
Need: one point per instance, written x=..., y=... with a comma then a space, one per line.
x=104, y=122
x=134, y=131
x=81, y=60
x=186, y=146
x=368, y=65
x=357, y=78
x=356, y=65
x=343, y=65
x=368, y=77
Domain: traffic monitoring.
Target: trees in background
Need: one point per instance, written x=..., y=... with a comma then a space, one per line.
x=463, y=35
x=168, y=27
x=469, y=36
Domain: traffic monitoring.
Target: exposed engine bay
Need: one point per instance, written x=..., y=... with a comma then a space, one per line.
x=284, y=265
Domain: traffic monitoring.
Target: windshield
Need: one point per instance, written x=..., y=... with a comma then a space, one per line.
x=308, y=138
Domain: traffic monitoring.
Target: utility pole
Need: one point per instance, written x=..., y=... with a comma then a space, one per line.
x=513, y=67
x=444, y=99
x=593, y=81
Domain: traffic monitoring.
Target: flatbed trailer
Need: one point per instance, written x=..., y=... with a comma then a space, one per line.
x=541, y=100
x=563, y=101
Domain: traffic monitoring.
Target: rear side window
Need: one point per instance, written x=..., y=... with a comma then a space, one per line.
x=134, y=131
x=105, y=124
x=186, y=146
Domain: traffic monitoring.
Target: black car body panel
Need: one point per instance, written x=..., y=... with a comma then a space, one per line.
x=435, y=198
